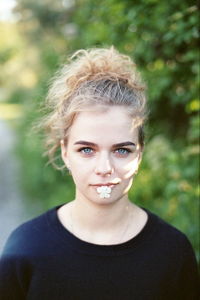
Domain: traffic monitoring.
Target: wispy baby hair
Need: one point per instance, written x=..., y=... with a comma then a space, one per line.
x=91, y=78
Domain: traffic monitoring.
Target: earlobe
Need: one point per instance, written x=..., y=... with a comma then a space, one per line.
x=63, y=150
x=64, y=153
x=139, y=156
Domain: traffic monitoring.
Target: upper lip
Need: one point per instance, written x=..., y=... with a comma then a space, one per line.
x=104, y=184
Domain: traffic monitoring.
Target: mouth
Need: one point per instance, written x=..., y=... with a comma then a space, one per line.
x=104, y=184
x=104, y=189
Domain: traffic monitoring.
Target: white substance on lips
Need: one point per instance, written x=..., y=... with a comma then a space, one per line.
x=104, y=191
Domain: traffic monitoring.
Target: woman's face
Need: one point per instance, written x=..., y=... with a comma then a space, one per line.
x=102, y=150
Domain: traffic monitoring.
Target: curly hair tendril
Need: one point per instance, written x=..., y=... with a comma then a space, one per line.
x=91, y=78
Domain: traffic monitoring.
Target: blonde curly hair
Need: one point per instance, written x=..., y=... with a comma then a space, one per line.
x=91, y=78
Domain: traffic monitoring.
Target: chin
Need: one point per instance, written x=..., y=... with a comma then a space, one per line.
x=104, y=201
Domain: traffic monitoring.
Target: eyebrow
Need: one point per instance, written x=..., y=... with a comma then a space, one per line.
x=114, y=146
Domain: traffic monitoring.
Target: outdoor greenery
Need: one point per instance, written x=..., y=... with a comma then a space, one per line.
x=162, y=39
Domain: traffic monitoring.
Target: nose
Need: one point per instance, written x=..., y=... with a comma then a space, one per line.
x=104, y=165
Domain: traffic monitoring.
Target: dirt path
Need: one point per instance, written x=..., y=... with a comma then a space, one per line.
x=12, y=212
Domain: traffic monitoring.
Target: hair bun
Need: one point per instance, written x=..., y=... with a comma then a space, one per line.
x=97, y=64
x=101, y=76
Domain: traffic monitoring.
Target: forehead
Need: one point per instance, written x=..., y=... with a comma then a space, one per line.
x=111, y=125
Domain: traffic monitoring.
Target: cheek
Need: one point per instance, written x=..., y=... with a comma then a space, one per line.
x=80, y=168
x=130, y=168
x=78, y=176
x=82, y=165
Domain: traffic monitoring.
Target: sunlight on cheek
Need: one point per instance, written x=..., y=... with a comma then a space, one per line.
x=128, y=186
x=131, y=168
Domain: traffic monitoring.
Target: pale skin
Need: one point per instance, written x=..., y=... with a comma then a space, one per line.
x=102, y=148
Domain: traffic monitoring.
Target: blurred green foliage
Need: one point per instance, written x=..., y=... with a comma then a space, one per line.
x=162, y=39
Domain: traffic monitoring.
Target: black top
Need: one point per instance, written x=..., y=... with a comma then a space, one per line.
x=43, y=260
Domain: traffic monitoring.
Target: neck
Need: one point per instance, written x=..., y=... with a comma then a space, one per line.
x=99, y=218
x=100, y=224
x=103, y=224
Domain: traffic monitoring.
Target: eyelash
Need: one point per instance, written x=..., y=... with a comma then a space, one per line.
x=84, y=148
x=125, y=151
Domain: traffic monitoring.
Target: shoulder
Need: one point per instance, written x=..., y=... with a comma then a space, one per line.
x=180, y=258
x=166, y=231
x=26, y=237
x=171, y=240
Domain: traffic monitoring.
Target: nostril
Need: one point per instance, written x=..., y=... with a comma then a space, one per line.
x=103, y=165
x=103, y=171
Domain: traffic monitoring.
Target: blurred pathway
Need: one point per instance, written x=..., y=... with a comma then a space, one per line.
x=12, y=212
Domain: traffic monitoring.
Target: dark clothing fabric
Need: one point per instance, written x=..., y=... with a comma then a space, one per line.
x=43, y=260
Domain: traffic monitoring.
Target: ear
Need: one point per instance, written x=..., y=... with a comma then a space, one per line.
x=139, y=160
x=64, y=153
x=140, y=156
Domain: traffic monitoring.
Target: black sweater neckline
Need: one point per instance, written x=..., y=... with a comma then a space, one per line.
x=95, y=249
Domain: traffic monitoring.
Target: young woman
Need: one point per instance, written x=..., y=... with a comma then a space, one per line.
x=100, y=245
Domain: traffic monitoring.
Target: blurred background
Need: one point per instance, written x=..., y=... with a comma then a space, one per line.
x=37, y=36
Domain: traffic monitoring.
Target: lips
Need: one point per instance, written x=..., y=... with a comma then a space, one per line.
x=104, y=184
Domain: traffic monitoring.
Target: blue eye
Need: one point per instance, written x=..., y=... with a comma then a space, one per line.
x=86, y=150
x=122, y=151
